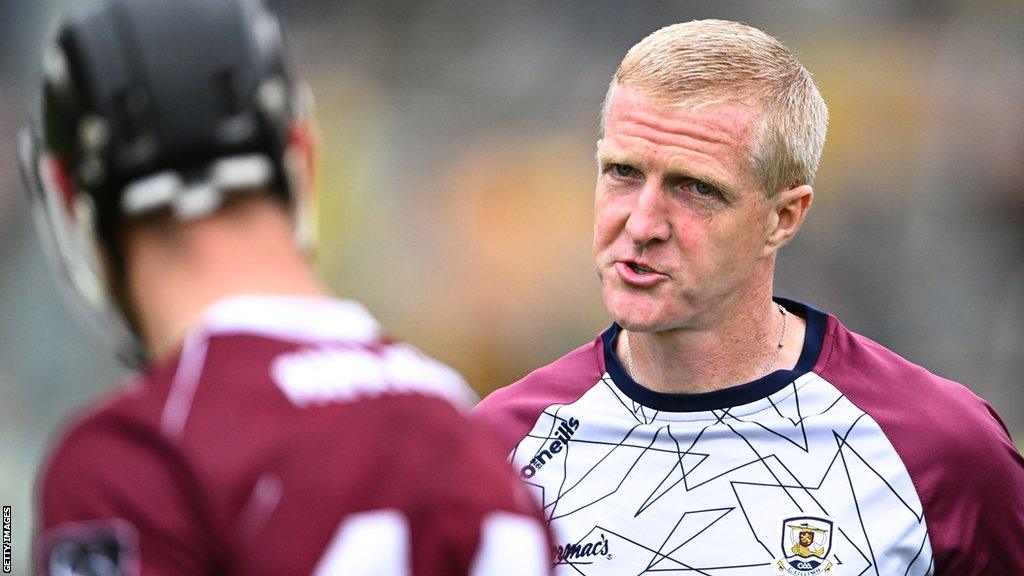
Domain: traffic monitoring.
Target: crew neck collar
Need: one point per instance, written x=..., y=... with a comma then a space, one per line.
x=726, y=397
x=292, y=317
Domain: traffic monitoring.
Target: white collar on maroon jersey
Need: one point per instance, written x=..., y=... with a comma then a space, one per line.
x=292, y=317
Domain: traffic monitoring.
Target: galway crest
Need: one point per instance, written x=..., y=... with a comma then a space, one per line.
x=806, y=543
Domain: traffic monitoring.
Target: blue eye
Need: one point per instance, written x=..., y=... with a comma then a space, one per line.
x=622, y=170
x=704, y=189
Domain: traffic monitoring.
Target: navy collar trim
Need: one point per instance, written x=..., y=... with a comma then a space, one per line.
x=726, y=397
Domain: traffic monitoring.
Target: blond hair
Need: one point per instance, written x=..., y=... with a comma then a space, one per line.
x=705, y=62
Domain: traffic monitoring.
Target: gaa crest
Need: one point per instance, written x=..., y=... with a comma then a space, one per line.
x=806, y=544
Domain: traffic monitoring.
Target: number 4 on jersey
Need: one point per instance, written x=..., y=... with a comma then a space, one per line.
x=379, y=542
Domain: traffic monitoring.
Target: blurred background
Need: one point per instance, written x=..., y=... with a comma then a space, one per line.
x=457, y=173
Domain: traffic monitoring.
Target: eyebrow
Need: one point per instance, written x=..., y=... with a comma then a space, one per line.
x=617, y=156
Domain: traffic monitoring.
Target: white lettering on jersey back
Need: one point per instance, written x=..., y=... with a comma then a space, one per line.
x=331, y=375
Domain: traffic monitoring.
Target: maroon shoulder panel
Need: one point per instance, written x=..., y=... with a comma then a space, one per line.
x=112, y=491
x=512, y=411
x=963, y=464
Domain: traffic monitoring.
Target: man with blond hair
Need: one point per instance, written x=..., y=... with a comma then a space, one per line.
x=715, y=428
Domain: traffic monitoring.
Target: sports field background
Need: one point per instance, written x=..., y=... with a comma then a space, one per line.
x=457, y=176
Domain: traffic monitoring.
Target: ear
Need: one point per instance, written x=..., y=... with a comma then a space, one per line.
x=301, y=160
x=789, y=208
x=303, y=145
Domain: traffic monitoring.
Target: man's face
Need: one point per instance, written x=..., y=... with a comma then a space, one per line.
x=680, y=221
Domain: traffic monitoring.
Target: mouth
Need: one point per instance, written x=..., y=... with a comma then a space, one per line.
x=639, y=268
x=639, y=274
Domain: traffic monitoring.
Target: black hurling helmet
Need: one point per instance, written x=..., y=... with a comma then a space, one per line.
x=149, y=106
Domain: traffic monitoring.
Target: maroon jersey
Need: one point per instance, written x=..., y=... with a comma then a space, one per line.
x=286, y=437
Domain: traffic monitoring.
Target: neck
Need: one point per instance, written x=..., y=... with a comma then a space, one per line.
x=177, y=270
x=740, y=348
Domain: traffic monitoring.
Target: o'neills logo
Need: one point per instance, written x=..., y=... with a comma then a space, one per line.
x=562, y=435
x=566, y=554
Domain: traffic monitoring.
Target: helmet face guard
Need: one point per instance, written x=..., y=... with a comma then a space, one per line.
x=65, y=221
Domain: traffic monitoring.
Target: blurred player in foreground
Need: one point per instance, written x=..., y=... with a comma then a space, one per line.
x=274, y=430
x=714, y=428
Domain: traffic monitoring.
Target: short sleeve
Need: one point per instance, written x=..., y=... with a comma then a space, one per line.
x=976, y=513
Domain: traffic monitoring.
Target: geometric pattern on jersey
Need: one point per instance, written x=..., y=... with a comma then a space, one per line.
x=707, y=492
x=633, y=489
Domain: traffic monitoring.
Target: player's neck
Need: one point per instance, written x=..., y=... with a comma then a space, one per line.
x=738, y=349
x=247, y=250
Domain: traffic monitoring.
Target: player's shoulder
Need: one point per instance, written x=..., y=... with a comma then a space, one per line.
x=928, y=418
x=111, y=479
x=558, y=382
x=868, y=372
x=133, y=405
x=511, y=410
x=91, y=449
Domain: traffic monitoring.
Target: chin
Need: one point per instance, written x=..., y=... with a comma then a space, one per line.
x=633, y=323
x=634, y=313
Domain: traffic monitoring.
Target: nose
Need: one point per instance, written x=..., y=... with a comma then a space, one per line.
x=648, y=219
